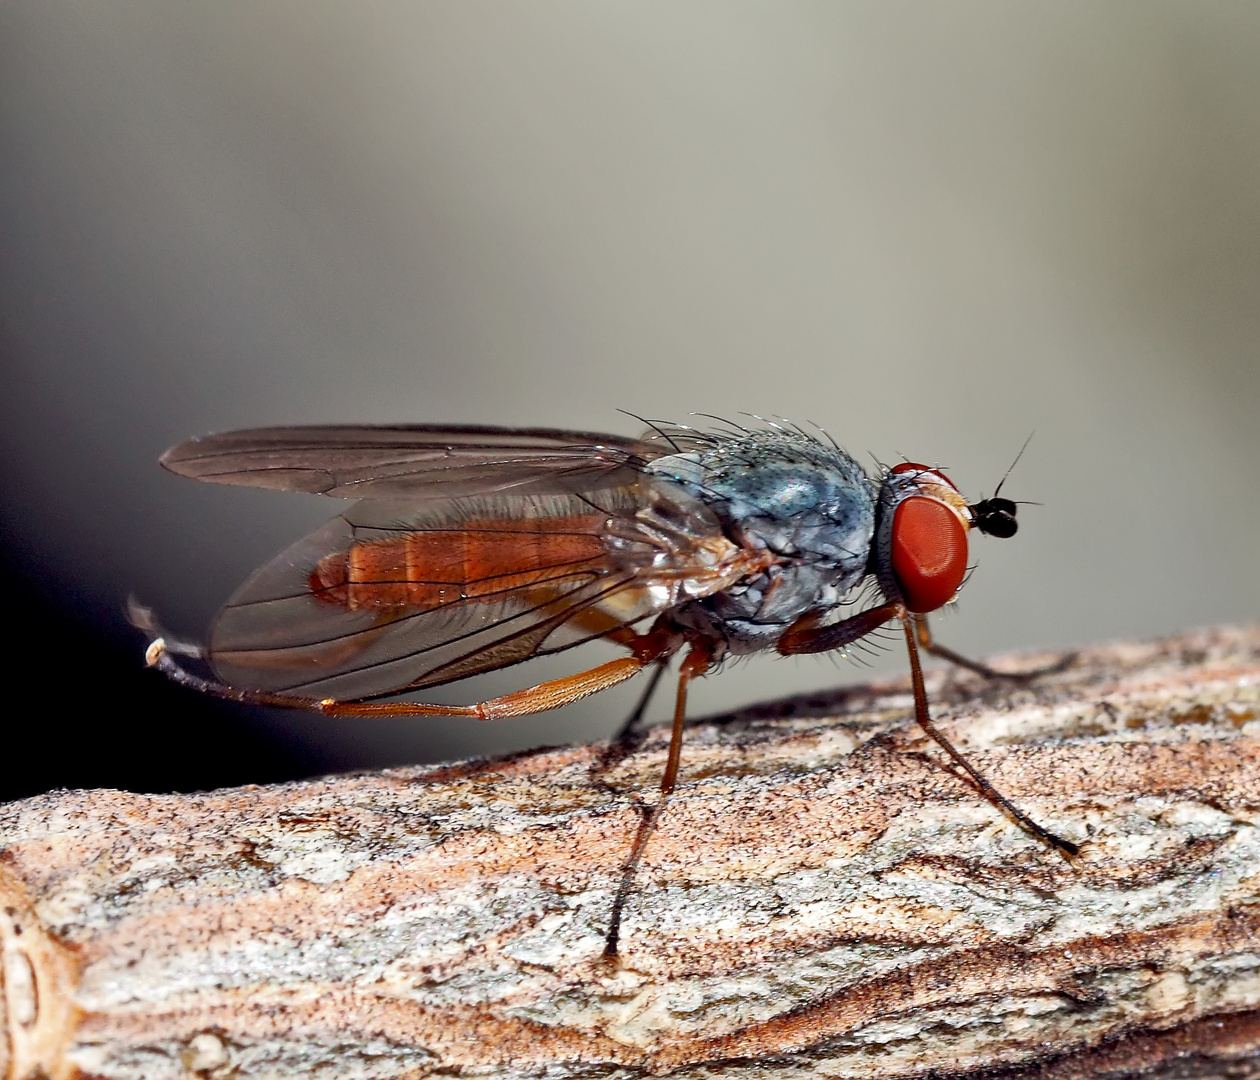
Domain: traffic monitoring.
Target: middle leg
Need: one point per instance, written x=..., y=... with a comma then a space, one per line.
x=928, y=644
x=696, y=664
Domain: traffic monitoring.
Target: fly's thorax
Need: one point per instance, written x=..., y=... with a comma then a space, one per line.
x=787, y=493
x=808, y=506
x=920, y=551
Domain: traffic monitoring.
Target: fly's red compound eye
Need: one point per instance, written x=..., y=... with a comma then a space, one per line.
x=929, y=553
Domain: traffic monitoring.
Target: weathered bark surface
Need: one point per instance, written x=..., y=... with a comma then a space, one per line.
x=823, y=897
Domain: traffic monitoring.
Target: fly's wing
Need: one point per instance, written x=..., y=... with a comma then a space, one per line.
x=353, y=462
x=393, y=595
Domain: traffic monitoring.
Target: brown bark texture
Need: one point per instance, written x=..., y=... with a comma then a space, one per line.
x=824, y=896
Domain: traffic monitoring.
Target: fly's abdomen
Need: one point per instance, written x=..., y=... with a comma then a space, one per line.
x=483, y=560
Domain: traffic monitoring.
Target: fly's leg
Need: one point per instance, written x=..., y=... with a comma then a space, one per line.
x=540, y=698
x=696, y=664
x=657, y=646
x=806, y=637
x=1064, y=847
x=623, y=743
x=926, y=643
x=654, y=680
x=145, y=620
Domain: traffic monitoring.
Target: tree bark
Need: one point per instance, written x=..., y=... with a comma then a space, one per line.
x=823, y=896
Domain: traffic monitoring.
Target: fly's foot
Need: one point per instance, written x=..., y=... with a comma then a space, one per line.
x=153, y=654
x=145, y=620
x=1062, y=664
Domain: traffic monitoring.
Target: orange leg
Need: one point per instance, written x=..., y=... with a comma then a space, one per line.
x=540, y=698
x=924, y=636
x=696, y=664
x=627, y=727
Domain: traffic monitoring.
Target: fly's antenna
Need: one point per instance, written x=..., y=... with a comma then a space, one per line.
x=996, y=516
x=998, y=491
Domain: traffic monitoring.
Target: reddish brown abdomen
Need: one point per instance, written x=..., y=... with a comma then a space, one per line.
x=482, y=560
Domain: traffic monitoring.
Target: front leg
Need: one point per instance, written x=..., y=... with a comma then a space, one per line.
x=807, y=636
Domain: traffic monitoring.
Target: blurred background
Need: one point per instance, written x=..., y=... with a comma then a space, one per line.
x=932, y=229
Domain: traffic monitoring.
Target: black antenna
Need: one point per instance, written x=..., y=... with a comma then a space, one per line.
x=1015, y=462
x=996, y=517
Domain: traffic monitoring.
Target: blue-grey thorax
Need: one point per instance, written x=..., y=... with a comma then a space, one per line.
x=805, y=501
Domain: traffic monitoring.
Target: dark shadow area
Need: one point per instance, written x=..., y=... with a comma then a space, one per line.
x=85, y=712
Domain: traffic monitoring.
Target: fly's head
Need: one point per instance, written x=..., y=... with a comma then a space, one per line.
x=920, y=551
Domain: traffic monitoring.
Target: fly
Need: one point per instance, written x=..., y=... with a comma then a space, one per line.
x=473, y=548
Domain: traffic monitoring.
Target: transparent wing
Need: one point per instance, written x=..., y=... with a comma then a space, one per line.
x=390, y=596
x=355, y=462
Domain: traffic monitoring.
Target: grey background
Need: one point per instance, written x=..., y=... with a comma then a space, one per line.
x=931, y=229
